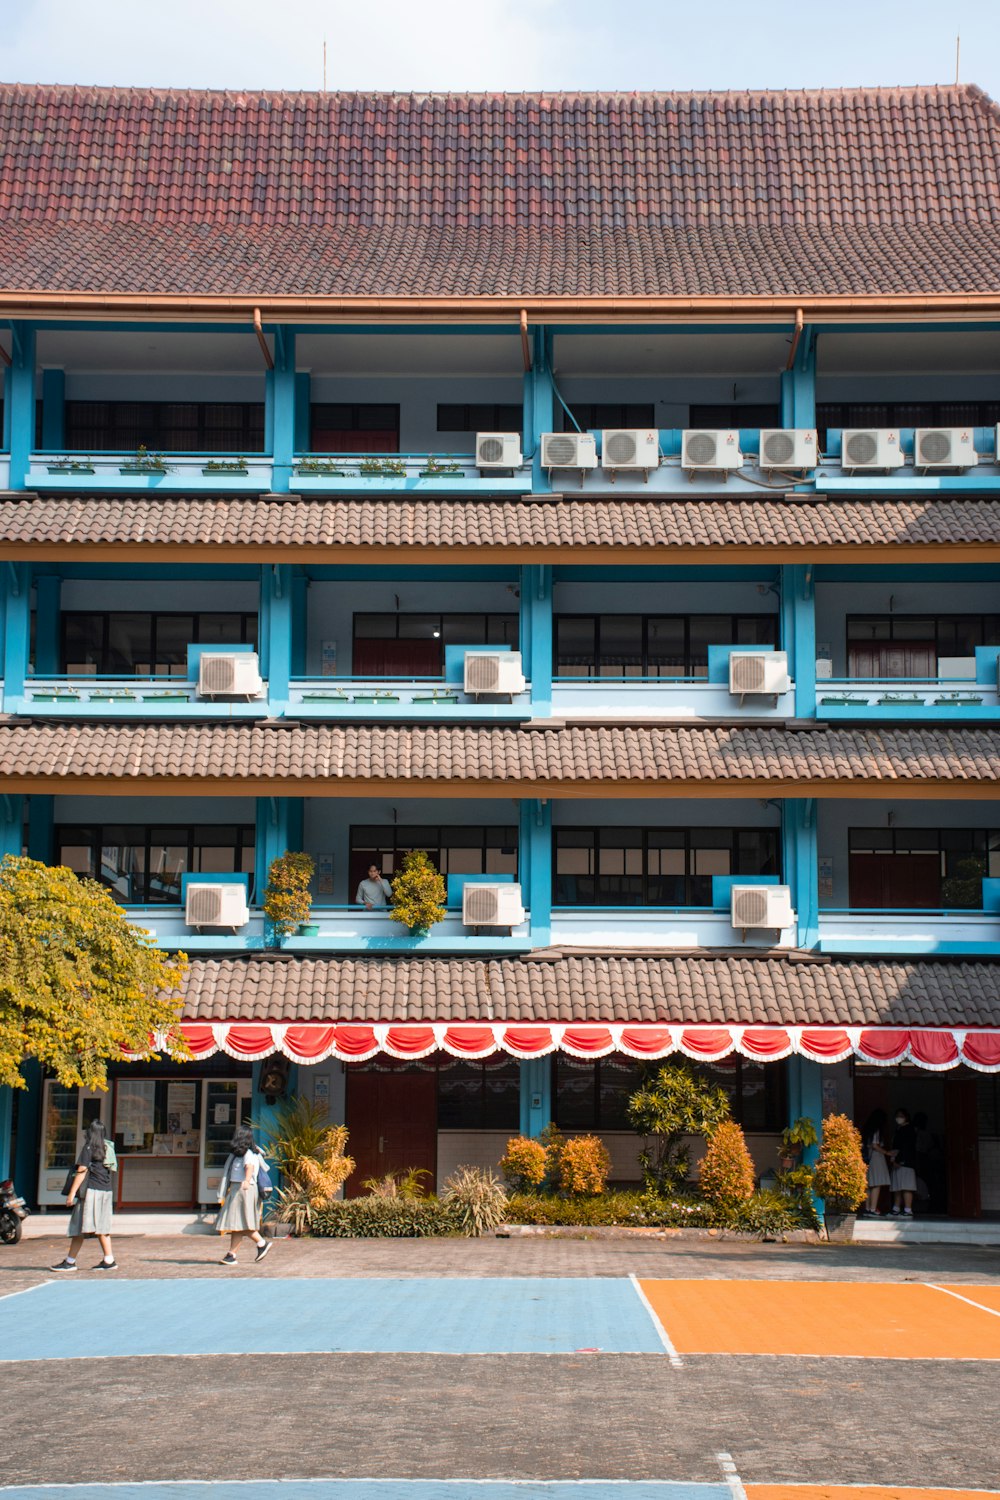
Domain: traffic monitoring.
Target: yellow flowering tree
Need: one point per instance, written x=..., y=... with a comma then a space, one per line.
x=78, y=984
x=418, y=894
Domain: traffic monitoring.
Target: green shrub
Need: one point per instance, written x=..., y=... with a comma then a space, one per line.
x=727, y=1174
x=764, y=1213
x=770, y=1212
x=841, y=1177
x=385, y=1218
x=418, y=894
x=584, y=1165
x=674, y=1104
x=524, y=1163
x=476, y=1198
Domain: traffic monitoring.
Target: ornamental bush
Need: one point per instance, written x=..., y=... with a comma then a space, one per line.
x=523, y=1164
x=418, y=894
x=670, y=1106
x=727, y=1173
x=764, y=1214
x=385, y=1218
x=584, y=1165
x=841, y=1178
x=477, y=1200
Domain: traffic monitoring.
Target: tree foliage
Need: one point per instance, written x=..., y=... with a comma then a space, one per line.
x=674, y=1104
x=418, y=893
x=78, y=984
x=287, y=899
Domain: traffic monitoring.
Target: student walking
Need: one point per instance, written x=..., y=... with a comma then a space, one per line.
x=90, y=1197
x=239, y=1214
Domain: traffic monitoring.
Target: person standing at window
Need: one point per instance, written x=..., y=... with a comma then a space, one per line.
x=374, y=891
x=90, y=1199
x=239, y=1213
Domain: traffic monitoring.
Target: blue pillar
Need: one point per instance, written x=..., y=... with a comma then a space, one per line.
x=536, y=1095
x=536, y=867
x=29, y=1132
x=17, y=628
x=536, y=634
x=276, y=632
x=800, y=864
x=538, y=398
x=303, y=415
x=279, y=828
x=11, y=823
x=279, y=410
x=805, y=1097
x=20, y=394
x=798, y=634
x=48, y=591
x=263, y=1114
x=798, y=385
x=6, y=1128
x=53, y=410
x=5, y=386
x=41, y=822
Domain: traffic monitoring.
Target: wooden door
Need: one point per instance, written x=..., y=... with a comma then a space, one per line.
x=893, y=882
x=877, y=659
x=392, y=1122
x=961, y=1123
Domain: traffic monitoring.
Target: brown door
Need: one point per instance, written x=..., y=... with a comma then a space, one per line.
x=961, y=1123
x=392, y=1122
x=892, y=659
x=893, y=882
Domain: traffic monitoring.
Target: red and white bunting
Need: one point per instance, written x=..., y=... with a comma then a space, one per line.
x=937, y=1049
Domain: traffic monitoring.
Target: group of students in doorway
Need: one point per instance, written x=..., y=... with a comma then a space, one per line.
x=892, y=1158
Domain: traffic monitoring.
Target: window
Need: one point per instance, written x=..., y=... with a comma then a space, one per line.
x=728, y=418
x=595, y=1095
x=655, y=866
x=840, y=414
x=652, y=645
x=595, y=416
x=165, y=426
x=148, y=645
x=988, y=1101
x=910, y=645
x=479, y=1095
x=502, y=417
x=455, y=849
x=142, y=864
x=412, y=645
x=345, y=427
x=915, y=868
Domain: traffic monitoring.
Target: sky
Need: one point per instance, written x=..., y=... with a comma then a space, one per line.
x=438, y=45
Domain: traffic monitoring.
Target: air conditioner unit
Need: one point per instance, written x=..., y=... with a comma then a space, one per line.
x=767, y=906
x=944, y=448
x=498, y=450
x=870, y=448
x=630, y=448
x=788, y=448
x=711, y=449
x=229, y=674
x=210, y=905
x=760, y=673
x=569, y=450
x=493, y=672
x=491, y=905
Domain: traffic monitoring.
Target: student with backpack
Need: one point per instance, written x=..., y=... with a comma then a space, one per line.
x=90, y=1195
x=244, y=1181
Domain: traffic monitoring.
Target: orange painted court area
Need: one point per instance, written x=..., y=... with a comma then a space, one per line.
x=874, y=1320
x=857, y=1492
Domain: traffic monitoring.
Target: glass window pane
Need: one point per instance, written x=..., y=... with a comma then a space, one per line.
x=375, y=627
x=464, y=630
x=665, y=646
x=83, y=643
x=621, y=641
x=618, y=1079
x=129, y=643
x=575, y=1094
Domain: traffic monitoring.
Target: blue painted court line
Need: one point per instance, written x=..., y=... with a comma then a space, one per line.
x=379, y=1489
x=425, y=1315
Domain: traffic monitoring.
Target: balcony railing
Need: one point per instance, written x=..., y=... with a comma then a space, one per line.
x=122, y=697
x=417, y=473
x=167, y=473
x=413, y=698
x=907, y=932
x=341, y=929
x=600, y=698
x=657, y=927
x=938, y=698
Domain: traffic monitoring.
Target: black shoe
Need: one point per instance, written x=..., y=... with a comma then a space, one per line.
x=263, y=1249
x=106, y=1265
x=65, y=1265
x=229, y=1259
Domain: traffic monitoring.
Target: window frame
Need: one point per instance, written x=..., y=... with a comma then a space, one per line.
x=736, y=620
x=63, y=834
x=106, y=615
x=776, y=1105
x=689, y=835
x=152, y=430
x=481, y=416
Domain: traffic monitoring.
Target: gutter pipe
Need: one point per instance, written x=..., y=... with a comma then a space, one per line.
x=258, y=329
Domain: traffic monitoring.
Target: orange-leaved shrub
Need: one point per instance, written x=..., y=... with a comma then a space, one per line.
x=841, y=1178
x=523, y=1164
x=727, y=1173
x=584, y=1165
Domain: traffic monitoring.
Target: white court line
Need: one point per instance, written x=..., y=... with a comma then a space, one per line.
x=949, y=1293
x=661, y=1331
x=21, y=1290
x=729, y=1474
x=114, y=1484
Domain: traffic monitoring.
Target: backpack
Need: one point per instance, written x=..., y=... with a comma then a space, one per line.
x=264, y=1184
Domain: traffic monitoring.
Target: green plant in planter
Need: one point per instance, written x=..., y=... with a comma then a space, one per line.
x=145, y=462
x=314, y=466
x=796, y=1137
x=287, y=899
x=841, y=1178
x=434, y=468
x=674, y=1104
x=382, y=468
x=225, y=466
x=418, y=894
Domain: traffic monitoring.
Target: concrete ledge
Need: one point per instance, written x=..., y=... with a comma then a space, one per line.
x=624, y=1232
x=45, y=1226
x=927, y=1232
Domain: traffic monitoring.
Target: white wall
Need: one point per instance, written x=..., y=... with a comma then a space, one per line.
x=177, y=595
x=837, y=816
x=835, y=601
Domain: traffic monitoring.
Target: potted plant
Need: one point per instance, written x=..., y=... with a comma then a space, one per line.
x=287, y=898
x=434, y=468
x=840, y=1178
x=382, y=468
x=225, y=466
x=418, y=894
x=794, y=1139
x=957, y=700
x=71, y=466
x=317, y=467
x=144, y=462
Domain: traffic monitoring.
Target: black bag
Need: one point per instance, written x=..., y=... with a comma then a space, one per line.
x=67, y=1186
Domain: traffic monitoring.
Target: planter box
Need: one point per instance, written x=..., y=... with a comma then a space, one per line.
x=325, y=698
x=843, y=703
x=322, y=473
x=839, y=1227
x=222, y=473
x=134, y=469
x=370, y=698
x=308, y=929
x=438, y=474
x=897, y=702
x=55, y=697
x=438, y=698
x=957, y=702
x=164, y=697
x=69, y=469
x=99, y=697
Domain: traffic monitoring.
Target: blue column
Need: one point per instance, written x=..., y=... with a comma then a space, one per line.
x=48, y=591
x=805, y=1097
x=17, y=628
x=798, y=634
x=29, y=1132
x=798, y=385
x=5, y=386
x=41, y=822
x=536, y=1095
x=279, y=409
x=6, y=1128
x=279, y=828
x=303, y=416
x=263, y=1114
x=11, y=823
x=53, y=410
x=20, y=394
x=276, y=632
x=800, y=864
x=536, y=634
x=536, y=867
x=538, y=398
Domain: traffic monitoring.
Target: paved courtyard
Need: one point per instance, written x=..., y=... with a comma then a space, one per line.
x=505, y=1369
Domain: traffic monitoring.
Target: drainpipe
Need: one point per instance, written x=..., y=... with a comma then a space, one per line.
x=800, y=323
x=258, y=329
x=525, y=343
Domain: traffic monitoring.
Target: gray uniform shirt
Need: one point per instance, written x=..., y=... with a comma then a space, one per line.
x=373, y=892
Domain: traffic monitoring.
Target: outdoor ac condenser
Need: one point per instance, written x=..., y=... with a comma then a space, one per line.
x=763, y=673
x=870, y=448
x=754, y=906
x=569, y=450
x=498, y=450
x=630, y=448
x=493, y=672
x=229, y=674
x=210, y=905
x=710, y=449
x=788, y=448
x=944, y=448
x=486, y=905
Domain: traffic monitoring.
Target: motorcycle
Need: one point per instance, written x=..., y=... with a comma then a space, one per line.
x=12, y=1214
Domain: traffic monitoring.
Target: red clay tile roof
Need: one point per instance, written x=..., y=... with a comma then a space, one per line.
x=709, y=989
x=363, y=758
x=44, y=524
x=857, y=191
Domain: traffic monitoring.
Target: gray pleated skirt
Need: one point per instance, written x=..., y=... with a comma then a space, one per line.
x=93, y=1215
x=241, y=1210
x=904, y=1180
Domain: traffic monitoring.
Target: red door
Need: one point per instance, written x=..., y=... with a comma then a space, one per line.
x=961, y=1123
x=392, y=1122
x=894, y=882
